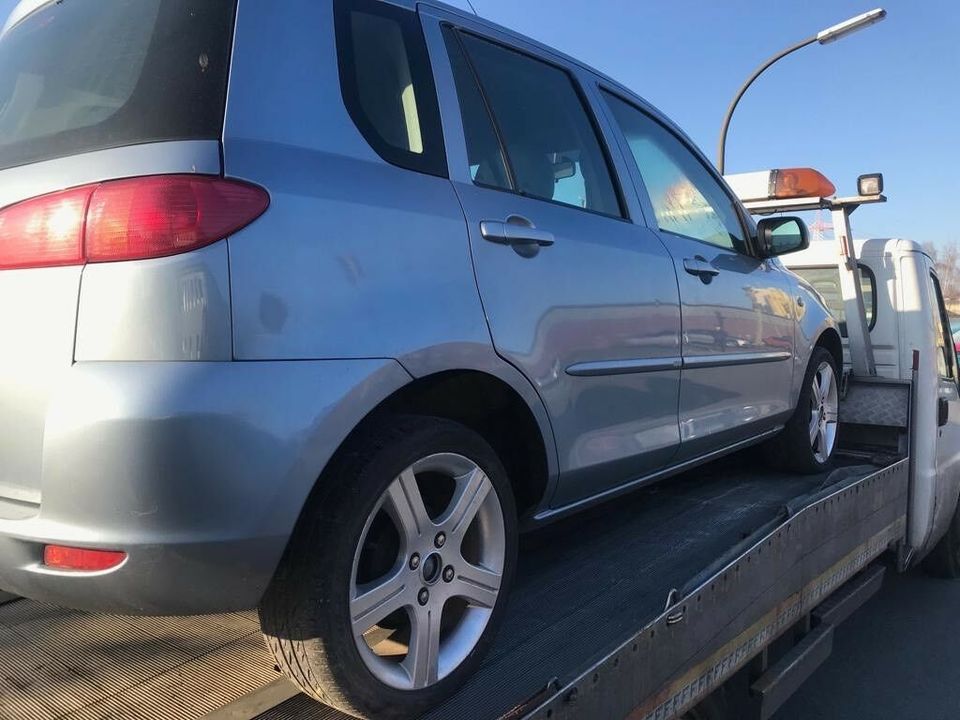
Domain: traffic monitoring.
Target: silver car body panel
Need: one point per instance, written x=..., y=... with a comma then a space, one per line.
x=175, y=308
x=41, y=316
x=197, y=470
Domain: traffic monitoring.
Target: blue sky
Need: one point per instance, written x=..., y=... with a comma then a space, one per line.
x=885, y=99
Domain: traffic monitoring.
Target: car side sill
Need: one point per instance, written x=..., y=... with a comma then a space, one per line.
x=549, y=515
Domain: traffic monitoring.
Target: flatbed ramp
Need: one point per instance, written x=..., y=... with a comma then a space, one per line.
x=581, y=634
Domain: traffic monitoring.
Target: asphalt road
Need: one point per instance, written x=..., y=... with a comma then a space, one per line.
x=898, y=657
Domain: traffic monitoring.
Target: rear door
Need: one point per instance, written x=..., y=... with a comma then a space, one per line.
x=578, y=296
x=738, y=311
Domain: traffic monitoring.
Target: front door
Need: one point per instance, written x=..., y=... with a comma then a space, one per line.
x=738, y=311
x=948, y=400
x=579, y=298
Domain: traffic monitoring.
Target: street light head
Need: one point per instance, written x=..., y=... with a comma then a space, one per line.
x=835, y=32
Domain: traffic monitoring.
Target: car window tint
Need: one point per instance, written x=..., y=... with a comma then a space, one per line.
x=548, y=138
x=826, y=281
x=76, y=77
x=388, y=85
x=686, y=198
x=487, y=166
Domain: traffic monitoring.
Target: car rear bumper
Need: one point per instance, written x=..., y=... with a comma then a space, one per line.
x=198, y=471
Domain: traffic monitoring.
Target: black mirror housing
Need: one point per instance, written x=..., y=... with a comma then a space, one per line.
x=781, y=235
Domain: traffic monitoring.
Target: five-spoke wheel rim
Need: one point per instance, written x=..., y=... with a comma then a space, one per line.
x=824, y=409
x=423, y=590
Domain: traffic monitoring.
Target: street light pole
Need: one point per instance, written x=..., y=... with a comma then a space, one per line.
x=832, y=33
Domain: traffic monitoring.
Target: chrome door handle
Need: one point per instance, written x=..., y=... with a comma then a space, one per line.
x=518, y=232
x=700, y=267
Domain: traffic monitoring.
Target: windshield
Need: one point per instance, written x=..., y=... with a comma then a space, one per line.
x=83, y=75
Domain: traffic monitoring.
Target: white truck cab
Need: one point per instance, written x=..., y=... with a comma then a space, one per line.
x=902, y=314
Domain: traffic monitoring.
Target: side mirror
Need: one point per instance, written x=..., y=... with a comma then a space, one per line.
x=782, y=235
x=943, y=412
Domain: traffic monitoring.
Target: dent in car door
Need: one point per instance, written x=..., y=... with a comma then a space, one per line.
x=580, y=299
x=738, y=311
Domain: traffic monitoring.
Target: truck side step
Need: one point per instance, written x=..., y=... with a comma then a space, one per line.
x=777, y=684
x=780, y=681
x=843, y=603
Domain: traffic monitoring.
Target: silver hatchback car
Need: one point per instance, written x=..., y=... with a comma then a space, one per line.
x=310, y=306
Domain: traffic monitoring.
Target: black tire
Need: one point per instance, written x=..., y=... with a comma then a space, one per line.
x=305, y=615
x=791, y=450
x=944, y=560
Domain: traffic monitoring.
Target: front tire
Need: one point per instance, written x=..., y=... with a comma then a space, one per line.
x=808, y=441
x=397, y=575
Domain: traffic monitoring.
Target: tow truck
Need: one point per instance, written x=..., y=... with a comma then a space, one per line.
x=712, y=596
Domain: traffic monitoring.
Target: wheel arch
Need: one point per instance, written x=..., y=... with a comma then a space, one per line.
x=489, y=406
x=830, y=340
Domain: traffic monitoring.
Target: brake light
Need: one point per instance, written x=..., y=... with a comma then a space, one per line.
x=45, y=231
x=131, y=219
x=61, y=557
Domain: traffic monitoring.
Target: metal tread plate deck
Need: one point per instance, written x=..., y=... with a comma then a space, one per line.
x=583, y=585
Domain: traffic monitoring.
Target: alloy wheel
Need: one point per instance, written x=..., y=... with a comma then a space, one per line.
x=427, y=571
x=824, y=412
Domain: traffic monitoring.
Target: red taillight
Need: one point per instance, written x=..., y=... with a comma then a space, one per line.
x=60, y=557
x=130, y=219
x=44, y=232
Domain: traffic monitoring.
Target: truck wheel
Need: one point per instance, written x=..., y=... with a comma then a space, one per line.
x=807, y=442
x=944, y=560
x=397, y=574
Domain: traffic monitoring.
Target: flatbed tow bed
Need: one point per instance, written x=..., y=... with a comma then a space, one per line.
x=638, y=608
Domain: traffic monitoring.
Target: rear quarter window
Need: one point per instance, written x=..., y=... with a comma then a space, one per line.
x=84, y=75
x=387, y=84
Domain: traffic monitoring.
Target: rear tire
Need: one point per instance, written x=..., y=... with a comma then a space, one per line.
x=808, y=441
x=350, y=616
x=944, y=560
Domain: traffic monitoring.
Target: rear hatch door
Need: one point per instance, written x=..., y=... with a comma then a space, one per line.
x=90, y=91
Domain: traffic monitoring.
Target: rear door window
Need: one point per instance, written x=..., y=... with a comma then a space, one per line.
x=84, y=75
x=388, y=85
x=527, y=127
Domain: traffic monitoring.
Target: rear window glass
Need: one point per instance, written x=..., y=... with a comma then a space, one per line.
x=84, y=75
x=826, y=281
